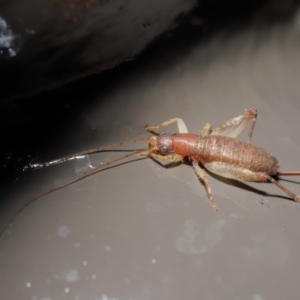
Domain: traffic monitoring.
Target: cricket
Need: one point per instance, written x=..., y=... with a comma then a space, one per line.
x=216, y=150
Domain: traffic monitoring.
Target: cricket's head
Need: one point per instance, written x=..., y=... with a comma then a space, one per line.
x=162, y=144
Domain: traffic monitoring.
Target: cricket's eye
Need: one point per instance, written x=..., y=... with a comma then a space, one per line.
x=164, y=149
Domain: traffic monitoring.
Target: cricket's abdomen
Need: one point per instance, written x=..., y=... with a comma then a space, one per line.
x=227, y=151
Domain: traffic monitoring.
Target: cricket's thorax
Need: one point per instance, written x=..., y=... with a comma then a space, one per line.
x=213, y=148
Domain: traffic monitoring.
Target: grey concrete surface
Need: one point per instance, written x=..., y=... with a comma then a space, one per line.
x=141, y=231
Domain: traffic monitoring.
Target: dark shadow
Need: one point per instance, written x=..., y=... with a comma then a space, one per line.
x=278, y=178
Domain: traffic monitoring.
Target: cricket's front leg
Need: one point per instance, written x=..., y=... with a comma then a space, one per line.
x=235, y=126
x=180, y=123
x=171, y=158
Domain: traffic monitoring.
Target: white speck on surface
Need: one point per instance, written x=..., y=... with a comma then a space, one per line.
x=83, y=164
x=67, y=290
x=30, y=31
x=257, y=297
x=28, y=284
x=46, y=298
x=77, y=245
x=236, y=216
x=64, y=231
x=192, y=242
x=94, y=276
x=84, y=262
x=12, y=52
x=153, y=260
x=7, y=38
x=104, y=297
x=72, y=276
x=107, y=248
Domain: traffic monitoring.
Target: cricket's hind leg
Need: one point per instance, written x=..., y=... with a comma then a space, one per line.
x=235, y=126
x=241, y=174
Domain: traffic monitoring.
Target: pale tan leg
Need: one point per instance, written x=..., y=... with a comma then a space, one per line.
x=227, y=171
x=200, y=173
x=207, y=129
x=181, y=125
x=283, y=188
x=235, y=126
x=202, y=176
x=173, y=157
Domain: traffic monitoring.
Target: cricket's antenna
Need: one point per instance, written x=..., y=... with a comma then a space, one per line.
x=294, y=173
x=85, y=152
x=76, y=178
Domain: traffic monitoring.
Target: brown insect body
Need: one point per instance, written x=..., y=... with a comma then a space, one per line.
x=218, y=150
x=224, y=151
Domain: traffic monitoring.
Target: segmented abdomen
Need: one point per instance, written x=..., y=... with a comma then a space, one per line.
x=234, y=152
